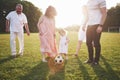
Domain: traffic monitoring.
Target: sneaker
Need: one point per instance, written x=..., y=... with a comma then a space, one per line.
x=88, y=62
x=21, y=53
x=95, y=63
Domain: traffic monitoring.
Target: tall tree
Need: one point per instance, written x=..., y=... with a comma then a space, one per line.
x=32, y=13
x=113, y=17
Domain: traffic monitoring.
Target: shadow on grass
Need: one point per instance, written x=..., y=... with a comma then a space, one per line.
x=6, y=59
x=58, y=76
x=106, y=73
x=83, y=70
x=111, y=72
x=39, y=72
x=59, y=70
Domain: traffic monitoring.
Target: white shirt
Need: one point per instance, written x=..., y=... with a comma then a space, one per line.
x=94, y=13
x=63, y=46
x=17, y=21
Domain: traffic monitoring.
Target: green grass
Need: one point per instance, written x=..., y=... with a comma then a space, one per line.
x=30, y=67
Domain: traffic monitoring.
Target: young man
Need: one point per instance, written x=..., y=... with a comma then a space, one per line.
x=95, y=15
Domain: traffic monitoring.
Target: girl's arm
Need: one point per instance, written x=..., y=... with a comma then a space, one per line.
x=85, y=15
x=39, y=22
x=67, y=40
x=38, y=25
x=58, y=41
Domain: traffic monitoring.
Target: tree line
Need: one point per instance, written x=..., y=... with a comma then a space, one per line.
x=113, y=17
x=33, y=13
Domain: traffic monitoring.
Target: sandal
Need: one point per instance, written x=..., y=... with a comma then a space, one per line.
x=76, y=55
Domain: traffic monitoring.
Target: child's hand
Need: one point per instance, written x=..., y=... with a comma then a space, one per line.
x=41, y=34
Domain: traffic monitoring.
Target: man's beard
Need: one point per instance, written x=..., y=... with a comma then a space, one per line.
x=19, y=12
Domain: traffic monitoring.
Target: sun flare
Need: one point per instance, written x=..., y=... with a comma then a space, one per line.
x=68, y=11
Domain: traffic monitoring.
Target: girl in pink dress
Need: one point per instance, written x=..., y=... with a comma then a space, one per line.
x=46, y=27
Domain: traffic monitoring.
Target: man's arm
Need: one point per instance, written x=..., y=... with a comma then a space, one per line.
x=7, y=26
x=104, y=14
x=27, y=29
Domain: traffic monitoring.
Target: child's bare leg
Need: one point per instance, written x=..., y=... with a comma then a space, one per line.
x=66, y=57
x=78, y=47
x=43, y=57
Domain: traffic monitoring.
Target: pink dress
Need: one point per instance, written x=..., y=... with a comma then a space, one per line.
x=46, y=27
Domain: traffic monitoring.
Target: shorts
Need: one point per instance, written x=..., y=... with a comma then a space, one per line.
x=82, y=35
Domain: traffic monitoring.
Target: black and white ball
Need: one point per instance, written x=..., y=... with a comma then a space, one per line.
x=59, y=59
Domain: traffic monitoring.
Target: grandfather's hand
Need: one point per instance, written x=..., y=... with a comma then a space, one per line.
x=28, y=33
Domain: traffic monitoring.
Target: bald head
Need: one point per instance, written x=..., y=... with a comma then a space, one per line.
x=19, y=8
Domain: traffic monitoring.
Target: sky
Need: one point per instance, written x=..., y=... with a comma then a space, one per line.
x=68, y=11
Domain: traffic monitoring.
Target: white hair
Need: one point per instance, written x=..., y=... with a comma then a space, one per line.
x=19, y=5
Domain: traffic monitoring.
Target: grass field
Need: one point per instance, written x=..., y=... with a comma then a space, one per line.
x=30, y=67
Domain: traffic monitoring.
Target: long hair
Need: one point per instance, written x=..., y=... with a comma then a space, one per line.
x=63, y=31
x=50, y=12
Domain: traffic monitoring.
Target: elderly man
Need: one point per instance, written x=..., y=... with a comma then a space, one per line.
x=94, y=15
x=15, y=21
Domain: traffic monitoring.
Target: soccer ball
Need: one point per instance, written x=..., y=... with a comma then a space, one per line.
x=59, y=59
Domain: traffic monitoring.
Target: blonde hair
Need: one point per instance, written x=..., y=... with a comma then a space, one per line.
x=62, y=31
x=50, y=9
